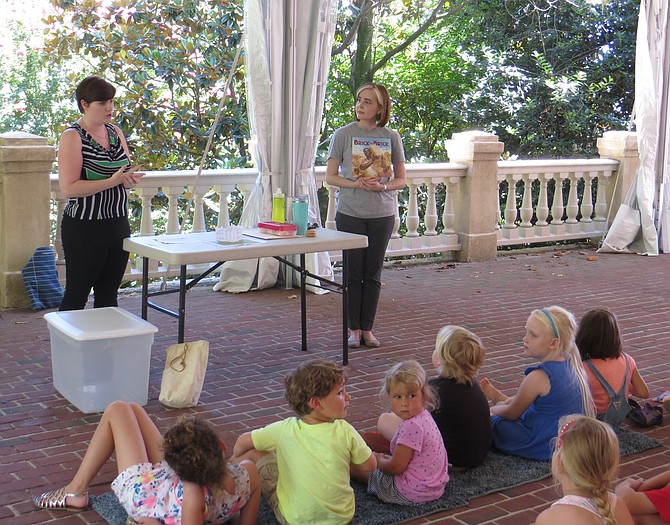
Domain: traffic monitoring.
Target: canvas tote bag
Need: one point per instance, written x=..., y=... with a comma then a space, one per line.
x=184, y=374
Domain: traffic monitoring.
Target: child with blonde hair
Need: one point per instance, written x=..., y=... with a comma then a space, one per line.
x=525, y=423
x=462, y=412
x=416, y=471
x=607, y=366
x=584, y=463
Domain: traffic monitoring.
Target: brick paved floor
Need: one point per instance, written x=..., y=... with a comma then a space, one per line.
x=254, y=340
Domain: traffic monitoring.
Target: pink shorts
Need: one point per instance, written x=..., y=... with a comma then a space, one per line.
x=660, y=498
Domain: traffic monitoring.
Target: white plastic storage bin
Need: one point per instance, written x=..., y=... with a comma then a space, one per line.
x=100, y=355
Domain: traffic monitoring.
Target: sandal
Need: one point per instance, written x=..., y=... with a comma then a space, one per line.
x=56, y=499
x=645, y=415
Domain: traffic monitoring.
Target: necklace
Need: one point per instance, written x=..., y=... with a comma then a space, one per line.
x=101, y=137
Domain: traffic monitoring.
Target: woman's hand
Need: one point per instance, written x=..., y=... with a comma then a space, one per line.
x=128, y=176
x=370, y=183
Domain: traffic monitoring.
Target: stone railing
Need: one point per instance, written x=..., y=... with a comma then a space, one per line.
x=461, y=209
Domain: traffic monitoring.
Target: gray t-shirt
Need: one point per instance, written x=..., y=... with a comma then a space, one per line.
x=374, y=150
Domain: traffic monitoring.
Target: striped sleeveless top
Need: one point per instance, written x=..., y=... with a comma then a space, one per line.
x=99, y=163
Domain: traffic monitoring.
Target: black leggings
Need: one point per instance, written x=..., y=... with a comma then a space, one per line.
x=94, y=258
x=365, y=267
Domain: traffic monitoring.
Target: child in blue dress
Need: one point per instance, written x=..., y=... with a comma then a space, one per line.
x=525, y=423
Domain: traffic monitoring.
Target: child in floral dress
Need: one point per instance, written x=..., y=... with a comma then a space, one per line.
x=182, y=478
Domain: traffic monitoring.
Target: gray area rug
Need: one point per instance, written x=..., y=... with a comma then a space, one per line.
x=499, y=472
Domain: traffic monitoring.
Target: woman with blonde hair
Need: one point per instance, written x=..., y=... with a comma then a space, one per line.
x=366, y=163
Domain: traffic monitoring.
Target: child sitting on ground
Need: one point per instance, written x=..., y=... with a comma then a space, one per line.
x=417, y=469
x=647, y=500
x=181, y=478
x=584, y=463
x=607, y=366
x=524, y=424
x=305, y=462
x=462, y=412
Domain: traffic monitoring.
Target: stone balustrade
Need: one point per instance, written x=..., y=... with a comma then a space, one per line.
x=462, y=209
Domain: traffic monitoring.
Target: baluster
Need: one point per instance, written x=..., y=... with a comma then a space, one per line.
x=498, y=212
x=396, y=222
x=542, y=210
x=587, y=198
x=601, y=198
x=413, y=211
x=557, y=205
x=572, y=208
x=173, y=195
x=147, y=221
x=198, y=210
x=510, y=206
x=58, y=240
x=526, y=203
x=332, y=207
x=223, y=218
x=430, y=218
x=448, y=214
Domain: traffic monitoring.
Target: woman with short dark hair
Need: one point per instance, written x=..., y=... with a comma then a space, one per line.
x=94, y=172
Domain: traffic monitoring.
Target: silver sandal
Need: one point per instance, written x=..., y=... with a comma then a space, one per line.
x=56, y=499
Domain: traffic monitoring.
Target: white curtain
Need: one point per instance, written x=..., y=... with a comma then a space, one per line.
x=287, y=58
x=642, y=224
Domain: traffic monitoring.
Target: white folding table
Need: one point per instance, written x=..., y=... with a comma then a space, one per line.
x=198, y=248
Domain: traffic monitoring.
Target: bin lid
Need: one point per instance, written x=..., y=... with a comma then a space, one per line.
x=99, y=323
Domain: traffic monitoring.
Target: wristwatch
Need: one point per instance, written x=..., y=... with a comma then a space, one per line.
x=383, y=187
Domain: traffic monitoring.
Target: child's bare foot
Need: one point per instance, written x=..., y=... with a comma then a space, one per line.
x=492, y=393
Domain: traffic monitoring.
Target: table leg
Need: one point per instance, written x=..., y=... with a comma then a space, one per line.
x=182, y=303
x=145, y=286
x=345, y=313
x=303, y=301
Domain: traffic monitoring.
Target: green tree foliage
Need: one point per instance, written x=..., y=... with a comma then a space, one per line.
x=548, y=76
x=32, y=94
x=557, y=74
x=171, y=61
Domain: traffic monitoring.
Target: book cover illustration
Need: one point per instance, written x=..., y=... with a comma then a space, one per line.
x=371, y=157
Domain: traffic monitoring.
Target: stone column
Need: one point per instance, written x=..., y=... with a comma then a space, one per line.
x=25, y=196
x=475, y=200
x=622, y=146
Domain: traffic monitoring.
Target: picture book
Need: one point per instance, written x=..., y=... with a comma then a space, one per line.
x=371, y=157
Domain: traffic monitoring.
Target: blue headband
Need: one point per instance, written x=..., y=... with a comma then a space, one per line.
x=544, y=311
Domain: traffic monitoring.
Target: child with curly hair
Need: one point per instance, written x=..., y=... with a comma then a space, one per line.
x=181, y=478
x=305, y=463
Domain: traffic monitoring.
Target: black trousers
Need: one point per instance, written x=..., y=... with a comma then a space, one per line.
x=94, y=259
x=365, y=267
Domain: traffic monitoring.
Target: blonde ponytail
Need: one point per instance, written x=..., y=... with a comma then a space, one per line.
x=588, y=449
x=562, y=323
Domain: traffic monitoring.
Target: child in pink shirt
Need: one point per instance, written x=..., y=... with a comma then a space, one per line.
x=417, y=469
